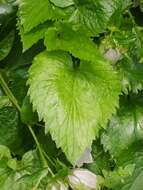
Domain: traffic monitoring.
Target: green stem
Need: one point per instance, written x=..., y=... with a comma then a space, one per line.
x=9, y=93
x=15, y=103
x=38, y=145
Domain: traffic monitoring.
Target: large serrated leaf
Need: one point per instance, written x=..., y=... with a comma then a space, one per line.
x=32, y=13
x=95, y=15
x=74, y=103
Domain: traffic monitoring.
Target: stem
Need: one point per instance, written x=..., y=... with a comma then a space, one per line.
x=15, y=103
x=38, y=145
x=9, y=93
x=76, y=62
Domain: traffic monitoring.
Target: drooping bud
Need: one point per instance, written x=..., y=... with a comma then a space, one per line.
x=85, y=158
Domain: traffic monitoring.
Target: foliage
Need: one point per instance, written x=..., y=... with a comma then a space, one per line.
x=71, y=80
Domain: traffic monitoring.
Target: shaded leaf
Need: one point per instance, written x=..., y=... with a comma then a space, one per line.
x=34, y=35
x=95, y=15
x=27, y=114
x=124, y=128
x=132, y=161
x=9, y=129
x=6, y=45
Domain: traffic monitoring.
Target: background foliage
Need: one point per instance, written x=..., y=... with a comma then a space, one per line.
x=71, y=82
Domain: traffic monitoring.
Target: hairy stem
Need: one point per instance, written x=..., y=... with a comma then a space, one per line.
x=15, y=103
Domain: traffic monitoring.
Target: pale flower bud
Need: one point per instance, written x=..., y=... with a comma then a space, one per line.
x=113, y=55
x=86, y=157
x=84, y=177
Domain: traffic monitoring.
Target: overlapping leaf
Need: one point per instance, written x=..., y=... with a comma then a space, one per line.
x=95, y=15
x=32, y=13
x=131, y=73
x=124, y=128
x=9, y=129
x=128, y=43
x=63, y=37
x=30, y=38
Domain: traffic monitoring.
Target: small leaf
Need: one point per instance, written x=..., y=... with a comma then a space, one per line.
x=4, y=152
x=27, y=114
x=6, y=45
x=34, y=35
x=4, y=102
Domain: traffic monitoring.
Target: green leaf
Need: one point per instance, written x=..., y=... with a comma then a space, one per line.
x=17, y=78
x=95, y=15
x=128, y=44
x=101, y=159
x=25, y=174
x=118, y=176
x=131, y=75
x=62, y=3
x=29, y=9
x=27, y=114
x=74, y=102
x=34, y=35
x=4, y=152
x=63, y=37
x=6, y=45
x=131, y=160
x=9, y=129
x=7, y=12
x=124, y=128
x=4, y=102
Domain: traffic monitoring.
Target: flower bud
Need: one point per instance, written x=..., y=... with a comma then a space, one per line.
x=113, y=55
x=83, y=177
x=85, y=158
